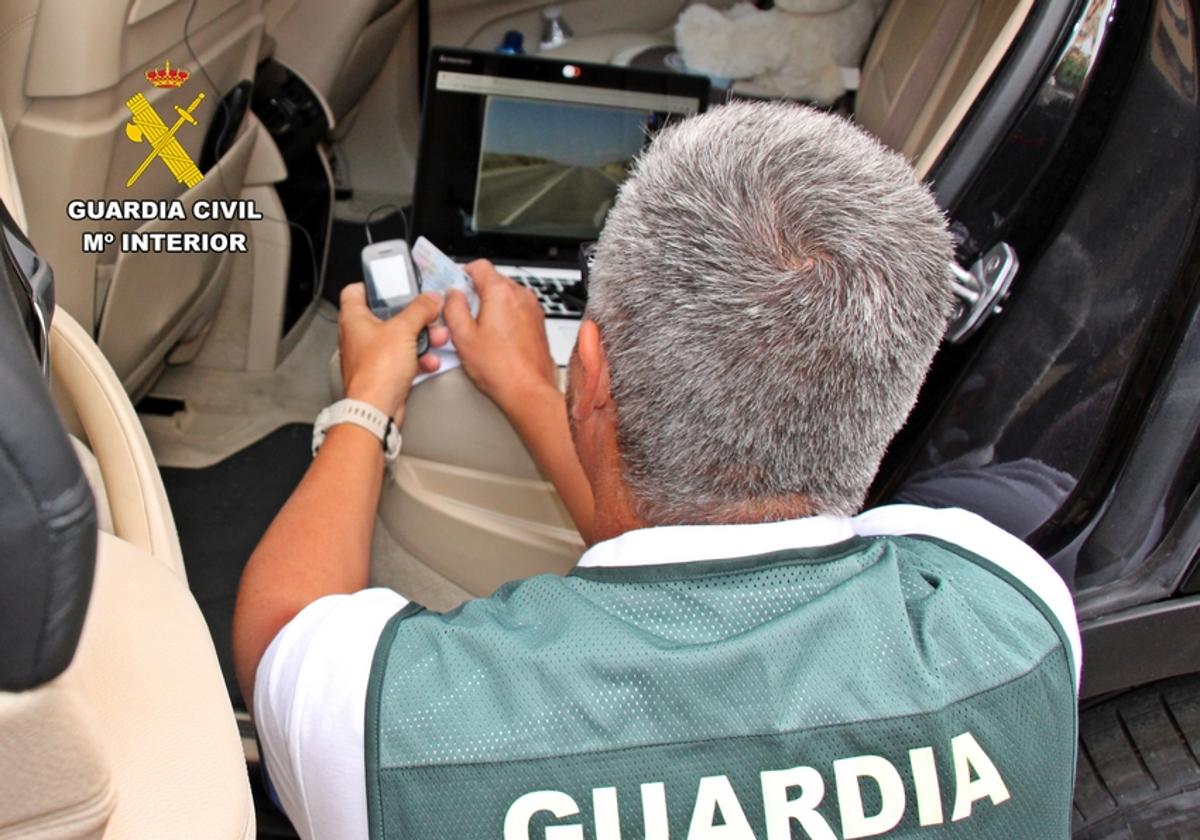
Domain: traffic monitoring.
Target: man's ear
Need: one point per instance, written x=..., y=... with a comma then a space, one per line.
x=592, y=382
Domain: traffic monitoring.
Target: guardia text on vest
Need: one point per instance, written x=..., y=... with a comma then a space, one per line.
x=789, y=796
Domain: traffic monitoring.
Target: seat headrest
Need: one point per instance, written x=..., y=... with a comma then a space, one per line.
x=47, y=514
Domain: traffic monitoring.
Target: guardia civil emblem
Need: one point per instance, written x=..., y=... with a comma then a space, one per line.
x=148, y=127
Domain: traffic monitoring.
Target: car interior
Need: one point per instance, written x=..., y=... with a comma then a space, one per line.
x=182, y=388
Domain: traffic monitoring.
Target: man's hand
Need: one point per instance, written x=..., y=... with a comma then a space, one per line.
x=505, y=352
x=379, y=358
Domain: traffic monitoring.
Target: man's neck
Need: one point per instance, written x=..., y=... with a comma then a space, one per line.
x=616, y=513
x=749, y=511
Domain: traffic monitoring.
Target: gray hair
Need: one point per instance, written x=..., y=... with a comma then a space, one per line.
x=770, y=287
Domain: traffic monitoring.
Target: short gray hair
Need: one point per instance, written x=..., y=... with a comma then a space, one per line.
x=770, y=286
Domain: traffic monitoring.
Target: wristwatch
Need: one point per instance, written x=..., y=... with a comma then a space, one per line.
x=360, y=414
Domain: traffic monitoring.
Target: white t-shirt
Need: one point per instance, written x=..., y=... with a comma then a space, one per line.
x=311, y=690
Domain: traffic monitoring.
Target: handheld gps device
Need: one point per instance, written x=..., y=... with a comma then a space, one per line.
x=392, y=282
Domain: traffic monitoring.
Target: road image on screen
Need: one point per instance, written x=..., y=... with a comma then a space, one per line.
x=553, y=169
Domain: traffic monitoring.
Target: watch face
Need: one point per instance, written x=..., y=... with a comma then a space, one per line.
x=391, y=441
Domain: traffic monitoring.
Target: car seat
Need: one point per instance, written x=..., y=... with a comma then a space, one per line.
x=114, y=719
x=926, y=65
x=66, y=72
x=355, y=39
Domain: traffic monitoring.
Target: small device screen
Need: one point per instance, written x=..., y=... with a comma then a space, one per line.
x=392, y=277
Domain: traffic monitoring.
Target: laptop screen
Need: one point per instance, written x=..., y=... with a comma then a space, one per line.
x=521, y=158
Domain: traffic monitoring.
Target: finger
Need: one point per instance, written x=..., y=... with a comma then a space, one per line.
x=529, y=302
x=438, y=336
x=429, y=363
x=354, y=309
x=422, y=312
x=485, y=277
x=354, y=295
x=458, y=317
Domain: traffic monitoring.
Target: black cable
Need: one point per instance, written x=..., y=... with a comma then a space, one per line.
x=403, y=218
x=227, y=121
x=371, y=241
x=422, y=49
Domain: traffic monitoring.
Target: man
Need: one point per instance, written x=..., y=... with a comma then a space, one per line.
x=737, y=655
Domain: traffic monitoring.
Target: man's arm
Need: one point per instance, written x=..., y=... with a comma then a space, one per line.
x=320, y=542
x=507, y=356
x=540, y=418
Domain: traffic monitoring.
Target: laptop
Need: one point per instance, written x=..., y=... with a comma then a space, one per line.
x=521, y=159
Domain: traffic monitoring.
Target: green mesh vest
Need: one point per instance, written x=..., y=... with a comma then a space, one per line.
x=895, y=686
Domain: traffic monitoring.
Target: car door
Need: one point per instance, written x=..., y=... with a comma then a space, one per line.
x=1070, y=417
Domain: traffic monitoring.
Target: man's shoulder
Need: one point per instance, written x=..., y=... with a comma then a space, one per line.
x=962, y=528
x=994, y=572
x=913, y=599
x=989, y=548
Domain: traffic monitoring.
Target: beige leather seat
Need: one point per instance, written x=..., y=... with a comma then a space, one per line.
x=338, y=48
x=136, y=738
x=928, y=62
x=66, y=71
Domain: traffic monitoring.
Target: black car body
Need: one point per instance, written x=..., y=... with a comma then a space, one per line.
x=1071, y=417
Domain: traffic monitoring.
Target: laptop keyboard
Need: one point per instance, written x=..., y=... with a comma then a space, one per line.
x=558, y=290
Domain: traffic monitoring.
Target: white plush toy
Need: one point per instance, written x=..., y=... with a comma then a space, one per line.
x=797, y=49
